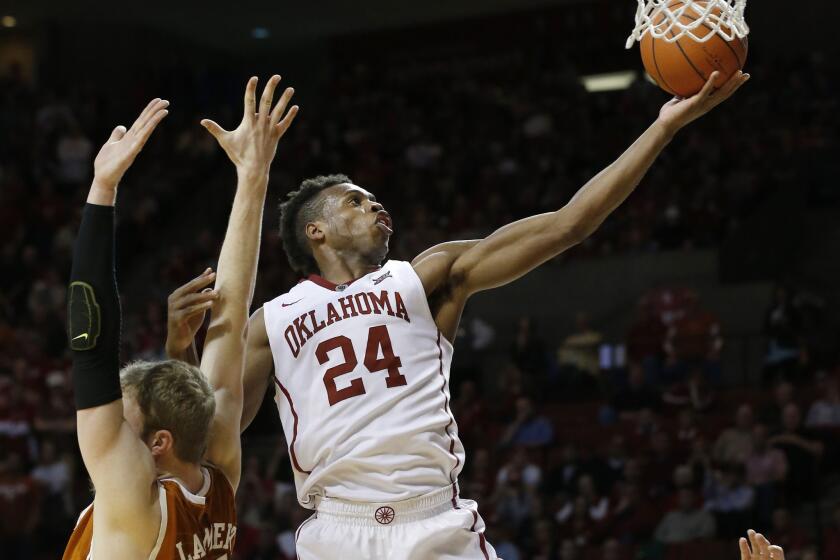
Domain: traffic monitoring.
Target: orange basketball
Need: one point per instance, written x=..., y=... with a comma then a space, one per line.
x=682, y=67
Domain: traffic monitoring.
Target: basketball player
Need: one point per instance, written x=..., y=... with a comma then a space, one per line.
x=159, y=440
x=360, y=351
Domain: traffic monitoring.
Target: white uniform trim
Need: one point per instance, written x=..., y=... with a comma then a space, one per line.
x=164, y=521
x=198, y=499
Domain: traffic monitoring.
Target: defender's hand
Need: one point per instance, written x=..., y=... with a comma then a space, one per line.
x=186, y=309
x=251, y=147
x=679, y=112
x=118, y=153
x=759, y=548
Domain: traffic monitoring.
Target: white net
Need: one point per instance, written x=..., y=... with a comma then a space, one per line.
x=672, y=19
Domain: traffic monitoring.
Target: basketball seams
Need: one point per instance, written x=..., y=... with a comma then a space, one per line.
x=662, y=82
x=725, y=42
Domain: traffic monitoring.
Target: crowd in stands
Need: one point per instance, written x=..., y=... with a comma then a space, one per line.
x=657, y=453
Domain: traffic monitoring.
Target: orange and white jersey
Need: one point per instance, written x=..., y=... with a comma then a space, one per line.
x=192, y=526
x=362, y=377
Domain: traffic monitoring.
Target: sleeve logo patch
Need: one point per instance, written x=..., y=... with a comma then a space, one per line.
x=83, y=316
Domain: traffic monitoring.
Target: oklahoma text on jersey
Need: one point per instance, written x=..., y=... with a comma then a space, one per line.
x=310, y=323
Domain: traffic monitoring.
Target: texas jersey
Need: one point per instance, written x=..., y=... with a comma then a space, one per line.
x=362, y=377
x=192, y=526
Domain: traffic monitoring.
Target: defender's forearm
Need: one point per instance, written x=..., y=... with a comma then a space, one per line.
x=237, y=270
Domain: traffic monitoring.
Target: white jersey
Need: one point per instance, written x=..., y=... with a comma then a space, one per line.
x=362, y=377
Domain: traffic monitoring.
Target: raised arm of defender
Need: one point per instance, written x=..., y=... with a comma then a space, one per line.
x=251, y=147
x=119, y=464
x=518, y=248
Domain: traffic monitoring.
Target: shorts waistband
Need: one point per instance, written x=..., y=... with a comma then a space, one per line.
x=389, y=513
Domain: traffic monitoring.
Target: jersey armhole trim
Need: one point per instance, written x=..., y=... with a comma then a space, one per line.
x=164, y=521
x=415, y=278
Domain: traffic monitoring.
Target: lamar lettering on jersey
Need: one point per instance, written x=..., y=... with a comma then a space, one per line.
x=364, y=303
x=220, y=537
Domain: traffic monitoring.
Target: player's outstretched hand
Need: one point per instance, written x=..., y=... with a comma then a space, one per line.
x=119, y=151
x=679, y=112
x=759, y=548
x=252, y=145
x=186, y=308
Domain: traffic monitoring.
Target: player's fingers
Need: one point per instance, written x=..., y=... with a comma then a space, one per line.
x=268, y=96
x=250, y=99
x=198, y=308
x=709, y=86
x=205, y=279
x=189, y=300
x=213, y=128
x=744, y=545
x=148, y=113
x=284, y=125
x=776, y=553
x=745, y=549
x=283, y=102
x=144, y=133
x=763, y=546
x=146, y=109
x=753, y=537
x=117, y=134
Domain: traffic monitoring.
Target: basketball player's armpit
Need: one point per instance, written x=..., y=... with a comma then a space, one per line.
x=93, y=311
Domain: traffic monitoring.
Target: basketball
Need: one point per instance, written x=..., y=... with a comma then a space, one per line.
x=682, y=67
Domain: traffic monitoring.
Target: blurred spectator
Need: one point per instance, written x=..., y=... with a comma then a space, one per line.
x=831, y=536
x=802, y=452
x=528, y=349
x=578, y=354
x=468, y=408
x=782, y=328
x=632, y=517
x=636, y=396
x=734, y=444
x=19, y=509
x=694, y=392
x=771, y=414
x=528, y=428
x=766, y=472
x=75, y=155
x=694, y=340
x=519, y=467
x=687, y=523
x=786, y=533
x=645, y=339
x=543, y=545
x=730, y=499
x=597, y=504
x=564, y=475
x=825, y=411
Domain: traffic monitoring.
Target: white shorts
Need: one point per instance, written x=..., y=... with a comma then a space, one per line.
x=432, y=526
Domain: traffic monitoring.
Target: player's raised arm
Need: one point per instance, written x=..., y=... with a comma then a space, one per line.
x=251, y=148
x=120, y=465
x=517, y=248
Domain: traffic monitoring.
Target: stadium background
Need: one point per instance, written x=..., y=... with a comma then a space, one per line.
x=597, y=397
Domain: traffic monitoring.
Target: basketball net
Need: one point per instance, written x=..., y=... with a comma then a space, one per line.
x=724, y=17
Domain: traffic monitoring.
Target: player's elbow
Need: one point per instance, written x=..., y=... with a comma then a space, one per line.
x=572, y=229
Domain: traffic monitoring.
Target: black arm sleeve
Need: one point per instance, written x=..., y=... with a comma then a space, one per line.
x=93, y=311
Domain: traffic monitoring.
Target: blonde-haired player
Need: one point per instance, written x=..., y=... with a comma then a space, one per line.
x=160, y=440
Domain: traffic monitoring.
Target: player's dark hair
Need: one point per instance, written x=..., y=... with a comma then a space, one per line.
x=300, y=208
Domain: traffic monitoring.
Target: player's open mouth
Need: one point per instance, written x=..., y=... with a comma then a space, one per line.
x=383, y=222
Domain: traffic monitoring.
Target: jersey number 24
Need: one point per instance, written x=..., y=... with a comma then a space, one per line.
x=378, y=342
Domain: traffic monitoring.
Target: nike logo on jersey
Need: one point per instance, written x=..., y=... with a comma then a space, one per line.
x=382, y=278
x=82, y=336
x=294, y=302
